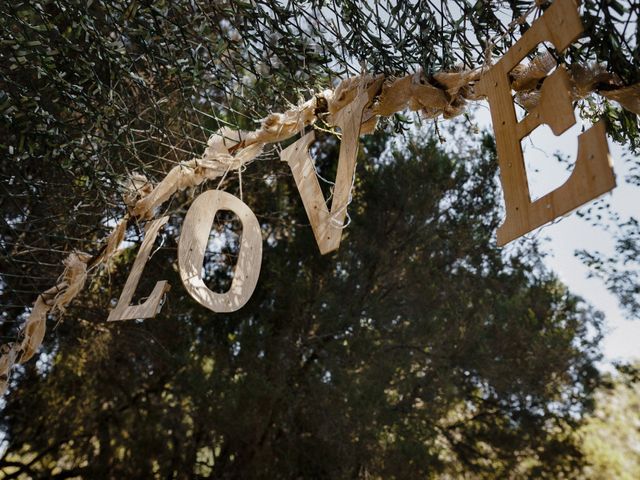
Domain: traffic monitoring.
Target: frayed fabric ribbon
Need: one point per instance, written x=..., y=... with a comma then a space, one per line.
x=442, y=94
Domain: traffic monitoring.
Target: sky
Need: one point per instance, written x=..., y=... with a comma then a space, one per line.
x=545, y=173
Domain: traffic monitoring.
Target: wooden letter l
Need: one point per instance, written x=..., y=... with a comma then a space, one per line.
x=148, y=309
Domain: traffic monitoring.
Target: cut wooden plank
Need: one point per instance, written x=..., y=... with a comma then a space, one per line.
x=327, y=223
x=124, y=310
x=304, y=174
x=193, y=244
x=593, y=172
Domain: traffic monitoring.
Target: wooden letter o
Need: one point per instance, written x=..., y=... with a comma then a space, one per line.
x=193, y=244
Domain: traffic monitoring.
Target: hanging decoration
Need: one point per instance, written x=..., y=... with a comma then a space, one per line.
x=148, y=309
x=193, y=244
x=593, y=172
x=354, y=107
x=327, y=224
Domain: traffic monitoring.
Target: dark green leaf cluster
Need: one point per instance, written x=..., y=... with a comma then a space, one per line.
x=621, y=270
x=418, y=350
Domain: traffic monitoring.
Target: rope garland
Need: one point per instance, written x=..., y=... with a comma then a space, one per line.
x=444, y=94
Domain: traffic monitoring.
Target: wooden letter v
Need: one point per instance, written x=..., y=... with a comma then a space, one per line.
x=327, y=224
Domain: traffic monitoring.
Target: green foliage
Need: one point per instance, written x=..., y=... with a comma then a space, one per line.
x=611, y=436
x=620, y=271
x=417, y=350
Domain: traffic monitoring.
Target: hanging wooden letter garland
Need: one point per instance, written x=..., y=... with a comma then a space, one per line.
x=193, y=244
x=327, y=224
x=591, y=177
x=148, y=309
x=593, y=173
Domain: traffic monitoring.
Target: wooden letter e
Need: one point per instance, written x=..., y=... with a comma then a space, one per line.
x=592, y=175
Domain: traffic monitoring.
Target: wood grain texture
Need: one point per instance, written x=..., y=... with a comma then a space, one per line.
x=193, y=244
x=593, y=172
x=304, y=174
x=327, y=223
x=149, y=309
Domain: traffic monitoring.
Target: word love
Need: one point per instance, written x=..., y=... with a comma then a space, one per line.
x=326, y=224
x=592, y=176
